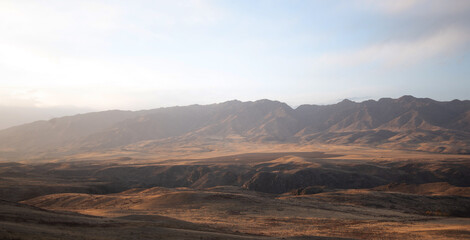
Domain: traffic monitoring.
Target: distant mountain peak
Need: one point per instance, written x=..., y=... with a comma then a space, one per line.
x=231, y=102
x=346, y=101
x=407, y=98
x=267, y=101
x=385, y=100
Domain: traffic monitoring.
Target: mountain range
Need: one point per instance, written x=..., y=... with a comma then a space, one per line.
x=409, y=123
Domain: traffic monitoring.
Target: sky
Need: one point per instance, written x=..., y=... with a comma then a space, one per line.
x=135, y=55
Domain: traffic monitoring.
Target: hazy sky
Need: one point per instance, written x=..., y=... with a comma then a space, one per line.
x=147, y=54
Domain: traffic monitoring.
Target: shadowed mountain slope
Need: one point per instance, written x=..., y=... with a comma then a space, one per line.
x=404, y=123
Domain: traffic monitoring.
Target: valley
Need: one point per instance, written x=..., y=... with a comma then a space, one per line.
x=354, y=193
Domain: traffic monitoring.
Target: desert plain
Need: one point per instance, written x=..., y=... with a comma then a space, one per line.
x=239, y=191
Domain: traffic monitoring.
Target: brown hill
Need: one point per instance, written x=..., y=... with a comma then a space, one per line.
x=358, y=213
x=278, y=173
x=21, y=221
x=405, y=123
x=437, y=188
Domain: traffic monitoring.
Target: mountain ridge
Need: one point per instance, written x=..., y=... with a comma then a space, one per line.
x=404, y=123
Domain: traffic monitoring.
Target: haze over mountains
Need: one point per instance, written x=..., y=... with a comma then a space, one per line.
x=404, y=123
x=13, y=116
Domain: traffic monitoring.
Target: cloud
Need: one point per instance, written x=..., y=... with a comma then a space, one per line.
x=18, y=97
x=89, y=81
x=115, y=53
x=68, y=25
x=398, y=53
x=390, y=7
x=56, y=52
x=57, y=23
x=415, y=7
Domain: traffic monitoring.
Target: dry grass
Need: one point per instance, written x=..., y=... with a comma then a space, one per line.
x=235, y=210
x=87, y=184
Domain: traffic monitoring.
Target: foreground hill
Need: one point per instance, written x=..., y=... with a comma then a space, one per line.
x=404, y=123
x=20, y=221
x=352, y=214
